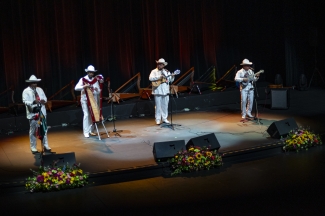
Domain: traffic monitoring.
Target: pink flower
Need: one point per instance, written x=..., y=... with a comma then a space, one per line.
x=40, y=178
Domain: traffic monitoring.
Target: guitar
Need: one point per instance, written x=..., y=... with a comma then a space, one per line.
x=164, y=79
x=251, y=77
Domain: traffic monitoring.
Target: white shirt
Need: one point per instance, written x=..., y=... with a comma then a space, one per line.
x=241, y=74
x=163, y=88
x=80, y=84
x=29, y=98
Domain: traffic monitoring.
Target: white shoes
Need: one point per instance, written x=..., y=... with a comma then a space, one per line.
x=34, y=150
x=86, y=135
x=158, y=122
x=250, y=115
x=243, y=116
x=47, y=148
x=166, y=121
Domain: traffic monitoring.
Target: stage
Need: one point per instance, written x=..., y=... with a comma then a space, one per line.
x=132, y=148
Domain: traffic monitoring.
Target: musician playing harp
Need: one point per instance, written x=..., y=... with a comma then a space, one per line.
x=161, y=91
x=89, y=86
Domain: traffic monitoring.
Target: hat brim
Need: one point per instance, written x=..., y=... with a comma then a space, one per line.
x=164, y=63
x=90, y=70
x=250, y=63
x=31, y=81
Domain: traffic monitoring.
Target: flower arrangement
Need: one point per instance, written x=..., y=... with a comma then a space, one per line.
x=194, y=159
x=301, y=138
x=56, y=178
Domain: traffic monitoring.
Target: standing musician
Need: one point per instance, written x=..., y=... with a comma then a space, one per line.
x=34, y=99
x=161, y=92
x=93, y=83
x=246, y=87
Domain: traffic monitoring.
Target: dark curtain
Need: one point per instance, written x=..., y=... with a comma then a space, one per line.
x=57, y=39
x=304, y=46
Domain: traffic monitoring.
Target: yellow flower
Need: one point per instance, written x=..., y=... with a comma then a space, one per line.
x=198, y=155
x=191, y=149
x=190, y=159
x=209, y=154
x=207, y=163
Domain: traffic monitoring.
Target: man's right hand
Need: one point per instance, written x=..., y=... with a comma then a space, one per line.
x=245, y=79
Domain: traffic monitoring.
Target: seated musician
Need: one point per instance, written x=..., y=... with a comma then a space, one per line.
x=161, y=92
x=88, y=126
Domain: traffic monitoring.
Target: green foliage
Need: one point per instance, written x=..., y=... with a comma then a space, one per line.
x=56, y=178
x=301, y=138
x=194, y=159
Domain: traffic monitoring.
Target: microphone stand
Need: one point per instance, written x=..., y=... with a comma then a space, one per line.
x=116, y=133
x=171, y=125
x=256, y=115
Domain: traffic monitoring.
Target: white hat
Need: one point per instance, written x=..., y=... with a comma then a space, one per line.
x=161, y=61
x=246, y=62
x=33, y=78
x=90, y=68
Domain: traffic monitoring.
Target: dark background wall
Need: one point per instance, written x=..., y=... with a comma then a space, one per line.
x=57, y=39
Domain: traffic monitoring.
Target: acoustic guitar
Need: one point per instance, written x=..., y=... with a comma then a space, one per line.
x=251, y=77
x=164, y=79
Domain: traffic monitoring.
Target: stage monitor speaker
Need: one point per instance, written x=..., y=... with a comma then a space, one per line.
x=279, y=98
x=281, y=128
x=210, y=141
x=59, y=159
x=164, y=150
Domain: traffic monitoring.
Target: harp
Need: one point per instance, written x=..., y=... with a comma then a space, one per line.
x=53, y=103
x=14, y=108
x=94, y=108
x=183, y=83
x=224, y=81
x=2, y=94
x=207, y=81
x=128, y=90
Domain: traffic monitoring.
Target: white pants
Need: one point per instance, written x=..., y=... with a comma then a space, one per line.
x=161, y=107
x=247, y=98
x=32, y=135
x=87, y=123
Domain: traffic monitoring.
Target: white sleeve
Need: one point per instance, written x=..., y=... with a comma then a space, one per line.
x=79, y=86
x=154, y=76
x=238, y=77
x=42, y=94
x=170, y=78
x=27, y=100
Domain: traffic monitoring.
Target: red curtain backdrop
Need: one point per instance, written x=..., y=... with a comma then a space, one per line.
x=57, y=39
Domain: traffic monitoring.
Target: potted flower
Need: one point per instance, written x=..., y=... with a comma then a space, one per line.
x=56, y=178
x=194, y=159
x=301, y=138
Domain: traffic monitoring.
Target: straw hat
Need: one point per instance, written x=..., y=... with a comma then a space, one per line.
x=90, y=68
x=246, y=62
x=33, y=78
x=161, y=61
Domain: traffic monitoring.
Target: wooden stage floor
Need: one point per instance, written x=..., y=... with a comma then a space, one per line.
x=133, y=149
